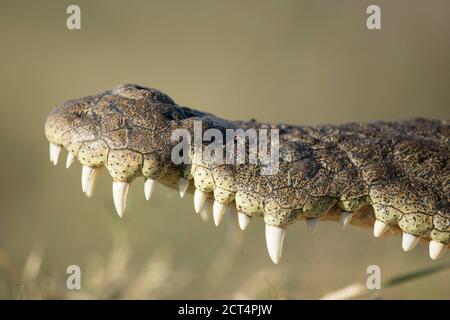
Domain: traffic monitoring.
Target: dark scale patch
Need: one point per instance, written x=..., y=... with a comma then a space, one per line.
x=115, y=108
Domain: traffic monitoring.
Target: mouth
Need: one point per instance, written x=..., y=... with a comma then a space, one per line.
x=391, y=177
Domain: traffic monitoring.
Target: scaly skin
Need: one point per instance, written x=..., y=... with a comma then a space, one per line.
x=395, y=172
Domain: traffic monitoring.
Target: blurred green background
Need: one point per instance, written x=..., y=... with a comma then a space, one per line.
x=301, y=62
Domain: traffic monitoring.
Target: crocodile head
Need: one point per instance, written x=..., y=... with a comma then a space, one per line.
x=393, y=177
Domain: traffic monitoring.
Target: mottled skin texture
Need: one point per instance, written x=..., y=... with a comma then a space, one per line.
x=396, y=172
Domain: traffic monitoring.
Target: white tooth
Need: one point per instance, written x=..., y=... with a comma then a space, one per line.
x=437, y=249
x=312, y=223
x=183, y=185
x=91, y=182
x=345, y=218
x=199, y=200
x=244, y=220
x=380, y=228
x=205, y=213
x=54, y=151
x=70, y=160
x=86, y=174
x=218, y=212
x=120, y=191
x=235, y=232
x=409, y=241
x=274, y=242
x=148, y=188
x=51, y=152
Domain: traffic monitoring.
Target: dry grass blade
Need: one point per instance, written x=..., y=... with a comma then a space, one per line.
x=415, y=275
x=358, y=290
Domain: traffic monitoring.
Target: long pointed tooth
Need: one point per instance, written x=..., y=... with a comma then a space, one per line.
x=218, y=212
x=345, y=218
x=183, y=185
x=274, y=242
x=70, y=159
x=120, y=192
x=91, y=182
x=51, y=152
x=54, y=153
x=409, y=241
x=148, y=188
x=380, y=228
x=437, y=249
x=86, y=174
x=312, y=223
x=244, y=220
x=206, y=211
x=234, y=232
x=199, y=200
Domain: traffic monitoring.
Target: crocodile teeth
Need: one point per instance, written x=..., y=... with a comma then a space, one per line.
x=312, y=223
x=380, y=228
x=235, y=232
x=91, y=182
x=120, y=191
x=86, y=176
x=274, y=242
x=148, y=188
x=51, y=152
x=205, y=213
x=183, y=185
x=70, y=160
x=345, y=218
x=54, y=153
x=409, y=241
x=199, y=200
x=218, y=212
x=437, y=249
x=244, y=220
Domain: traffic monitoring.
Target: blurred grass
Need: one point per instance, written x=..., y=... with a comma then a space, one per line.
x=360, y=290
x=115, y=276
x=304, y=62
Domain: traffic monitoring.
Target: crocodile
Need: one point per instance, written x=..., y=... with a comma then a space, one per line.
x=392, y=177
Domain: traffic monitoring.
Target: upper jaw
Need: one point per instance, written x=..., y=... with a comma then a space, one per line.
x=54, y=127
x=80, y=134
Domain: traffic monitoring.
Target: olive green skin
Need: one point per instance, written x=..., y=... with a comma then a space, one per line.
x=396, y=172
